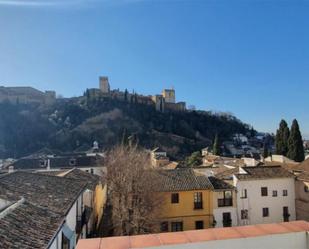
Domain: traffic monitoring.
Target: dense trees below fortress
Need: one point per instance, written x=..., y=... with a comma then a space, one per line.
x=73, y=124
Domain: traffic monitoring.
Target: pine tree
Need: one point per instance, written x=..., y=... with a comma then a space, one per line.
x=282, y=137
x=216, y=146
x=295, y=143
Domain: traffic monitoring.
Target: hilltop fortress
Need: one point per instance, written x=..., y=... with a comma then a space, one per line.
x=166, y=101
x=161, y=102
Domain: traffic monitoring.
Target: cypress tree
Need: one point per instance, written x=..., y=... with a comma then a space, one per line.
x=265, y=151
x=216, y=146
x=282, y=137
x=295, y=143
x=126, y=95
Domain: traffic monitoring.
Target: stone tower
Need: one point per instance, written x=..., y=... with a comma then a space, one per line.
x=169, y=95
x=104, y=84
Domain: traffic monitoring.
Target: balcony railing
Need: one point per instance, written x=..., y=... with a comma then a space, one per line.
x=198, y=205
x=225, y=202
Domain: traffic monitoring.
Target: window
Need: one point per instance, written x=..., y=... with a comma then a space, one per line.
x=175, y=198
x=265, y=212
x=264, y=191
x=177, y=226
x=243, y=194
x=227, y=200
x=42, y=163
x=72, y=162
x=198, y=200
x=244, y=214
x=285, y=192
x=306, y=189
x=65, y=242
x=275, y=193
x=199, y=224
x=164, y=226
x=227, y=220
x=286, y=215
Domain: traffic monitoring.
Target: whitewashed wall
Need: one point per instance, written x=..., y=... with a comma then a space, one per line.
x=254, y=202
x=282, y=241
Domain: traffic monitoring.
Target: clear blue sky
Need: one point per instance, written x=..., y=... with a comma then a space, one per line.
x=249, y=57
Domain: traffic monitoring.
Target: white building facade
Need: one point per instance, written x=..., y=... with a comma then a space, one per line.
x=265, y=195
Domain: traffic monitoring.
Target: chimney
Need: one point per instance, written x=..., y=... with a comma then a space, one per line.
x=48, y=164
x=11, y=169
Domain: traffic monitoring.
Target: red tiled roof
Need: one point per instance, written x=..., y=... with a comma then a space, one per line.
x=163, y=239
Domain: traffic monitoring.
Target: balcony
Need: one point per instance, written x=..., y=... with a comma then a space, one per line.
x=227, y=202
x=198, y=205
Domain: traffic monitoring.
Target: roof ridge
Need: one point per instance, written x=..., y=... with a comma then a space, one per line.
x=11, y=207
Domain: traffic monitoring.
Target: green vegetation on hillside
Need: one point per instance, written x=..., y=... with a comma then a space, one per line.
x=73, y=124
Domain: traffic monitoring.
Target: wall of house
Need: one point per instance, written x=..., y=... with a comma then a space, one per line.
x=296, y=240
x=218, y=211
x=302, y=200
x=71, y=217
x=255, y=203
x=57, y=241
x=184, y=210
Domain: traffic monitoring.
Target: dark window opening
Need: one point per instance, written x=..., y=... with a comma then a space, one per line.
x=286, y=215
x=175, y=198
x=264, y=191
x=227, y=220
x=65, y=242
x=244, y=214
x=164, y=226
x=265, y=212
x=198, y=200
x=199, y=224
x=177, y=226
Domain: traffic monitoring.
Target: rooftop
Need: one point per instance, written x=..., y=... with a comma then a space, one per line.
x=264, y=172
x=28, y=226
x=52, y=192
x=57, y=162
x=304, y=166
x=197, y=236
x=304, y=176
x=91, y=180
x=35, y=208
x=186, y=179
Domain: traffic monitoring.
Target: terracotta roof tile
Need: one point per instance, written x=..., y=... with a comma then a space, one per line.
x=90, y=243
x=227, y=233
x=115, y=243
x=177, y=238
x=182, y=180
x=144, y=241
x=264, y=172
x=201, y=235
x=152, y=240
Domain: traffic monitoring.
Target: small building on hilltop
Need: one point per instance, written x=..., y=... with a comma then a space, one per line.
x=26, y=95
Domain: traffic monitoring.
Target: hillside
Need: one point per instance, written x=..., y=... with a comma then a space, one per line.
x=73, y=124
